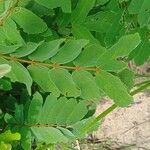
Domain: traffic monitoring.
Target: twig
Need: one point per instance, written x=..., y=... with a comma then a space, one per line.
x=54, y=65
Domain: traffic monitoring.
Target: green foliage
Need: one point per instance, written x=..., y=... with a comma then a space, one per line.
x=142, y=9
x=58, y=58
x=7, y=137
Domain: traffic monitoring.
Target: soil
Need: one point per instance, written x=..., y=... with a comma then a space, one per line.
x=127, y=127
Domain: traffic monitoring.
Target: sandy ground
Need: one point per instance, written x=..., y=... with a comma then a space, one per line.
x=127, y=126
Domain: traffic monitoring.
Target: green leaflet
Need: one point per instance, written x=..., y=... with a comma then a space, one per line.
x=69, y=51
x=142, y=53
x=35, y=108
x=25, y=138
x=125, y=45
x=67, y=108
x=78, y=112
x=110, y=64
x=62, y=111
x=114, y=88
x=4, y=69
x=89, y=56
x=81, y=32
x=26, y=50
x=127, y=77
x=43, y=79
x=5, y=85
x=142, y=8
x=113, y=31
x=49, y=105
x=18, y=73
x=11, y=32
x=19, y=114
x=8, y=49
x=64, y=82
x=74, y=113
x=67, y=133
x=9, y=118
x=135, y=6
x=64, y=4
x=49, y=135
x=80, y=13
x=100, y=22
x=86, y=82
x=54, y=111
x=46, y=50
x=39, y=10
x=28, y=21
x=9, y=137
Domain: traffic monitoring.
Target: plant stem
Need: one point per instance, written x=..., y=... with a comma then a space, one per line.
x=142, y=75
x=141, y=88
x=30, y=62
x=104, y=114
x=141, y=83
